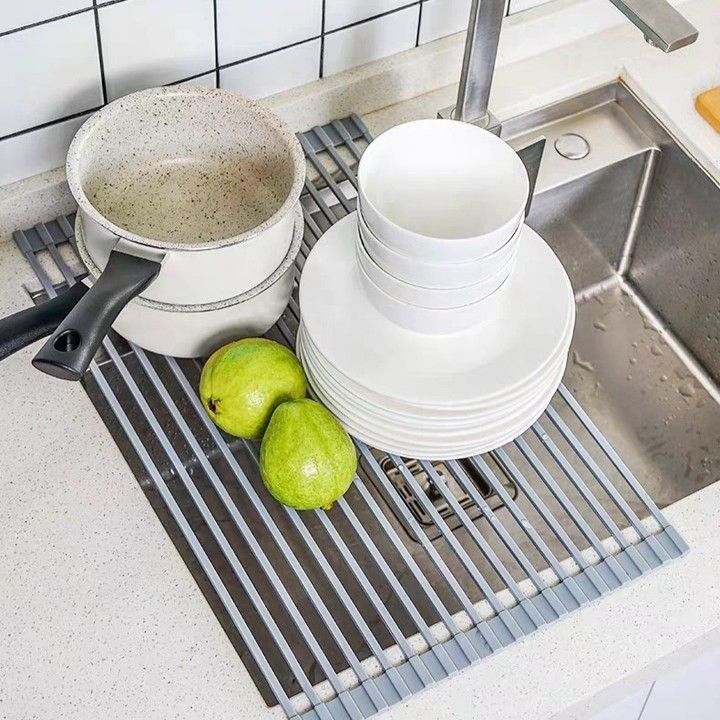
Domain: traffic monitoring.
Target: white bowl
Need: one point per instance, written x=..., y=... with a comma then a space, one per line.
x=436, y=274
x=429, y=321
x=441, y=190
x=432, y=298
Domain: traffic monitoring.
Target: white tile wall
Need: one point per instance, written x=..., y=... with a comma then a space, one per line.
x=274, y=72
x=206, y=80
x=32, y=153
x=443, y=17
x=16, y=14
x=516, y=6
x=359, y=44
x=51, y=51
x=339, y=13
x=250, y=27
x=48, y=72
x=155, y=42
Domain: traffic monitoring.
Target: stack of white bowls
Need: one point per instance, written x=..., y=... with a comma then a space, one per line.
x=439, y=219
x=435, y=324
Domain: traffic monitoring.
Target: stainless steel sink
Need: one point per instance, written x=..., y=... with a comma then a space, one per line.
x=637, y=224
x=633, y=220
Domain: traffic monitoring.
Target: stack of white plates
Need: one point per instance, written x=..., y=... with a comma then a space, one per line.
x=434, y=396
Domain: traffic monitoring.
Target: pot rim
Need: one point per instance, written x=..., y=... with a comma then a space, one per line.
x=276, y=276
x=245, y=105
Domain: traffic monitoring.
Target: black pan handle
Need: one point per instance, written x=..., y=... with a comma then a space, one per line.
x=26, y=326
x=71, y=348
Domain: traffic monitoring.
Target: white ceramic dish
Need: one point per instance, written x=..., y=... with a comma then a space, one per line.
x=437, y=274
x=438, y=410
x=461, y=427
x=459, y=199
x=349, y=395
x=486, y=362
x=198, y=330
x=428, y=321
x=441, y=413
x=424, y=297
x=426, y=445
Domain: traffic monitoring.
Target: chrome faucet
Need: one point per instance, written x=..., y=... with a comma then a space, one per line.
x=662, y=25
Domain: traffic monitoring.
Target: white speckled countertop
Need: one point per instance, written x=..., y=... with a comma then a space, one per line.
x=99, y=617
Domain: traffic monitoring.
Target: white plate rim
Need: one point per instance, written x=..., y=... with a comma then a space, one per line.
x=421, y=419
x=433, y=391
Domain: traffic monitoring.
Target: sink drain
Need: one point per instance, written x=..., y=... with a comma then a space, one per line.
x=572, y=146
x=426, y=482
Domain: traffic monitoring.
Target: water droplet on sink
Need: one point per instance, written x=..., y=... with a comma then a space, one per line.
x=633, y=360
x=635, y=343
x=629, y=377
x=656, y=350
x=600, y=325
x=686, y=389
x=663, y=378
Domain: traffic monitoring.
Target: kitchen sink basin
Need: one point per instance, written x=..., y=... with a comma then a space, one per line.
x=635, y=223
x=634, y=220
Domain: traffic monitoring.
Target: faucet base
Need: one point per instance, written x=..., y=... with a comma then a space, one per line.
x=489, y=122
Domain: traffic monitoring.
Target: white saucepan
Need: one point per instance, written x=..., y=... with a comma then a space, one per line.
x=198, y=330
x=177, y=172
x=186, y=197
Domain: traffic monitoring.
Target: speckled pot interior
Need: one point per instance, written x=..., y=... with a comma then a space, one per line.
x=185, y=166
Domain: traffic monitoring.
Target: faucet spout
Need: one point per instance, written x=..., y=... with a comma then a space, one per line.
x=481, y=45
x=661, y=24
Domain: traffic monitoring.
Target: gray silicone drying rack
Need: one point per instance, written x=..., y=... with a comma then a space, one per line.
x=422, y=569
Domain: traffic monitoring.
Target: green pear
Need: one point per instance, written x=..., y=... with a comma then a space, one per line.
x=307, y=460
x=243, y=382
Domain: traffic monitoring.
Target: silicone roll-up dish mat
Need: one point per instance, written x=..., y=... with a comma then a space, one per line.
x=421, y=569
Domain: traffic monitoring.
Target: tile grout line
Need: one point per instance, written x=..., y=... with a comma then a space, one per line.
x=321, y=71
x=49, y=123
x=647, y=699
x=98, y=39
x=419, y=24
x=217, y=49
x=46, y=21
x=56, y=18
x=88, y=111
x=106, y=3
x=323, y=33
x=194, y=76
x=269, y=52
x=355, y=23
